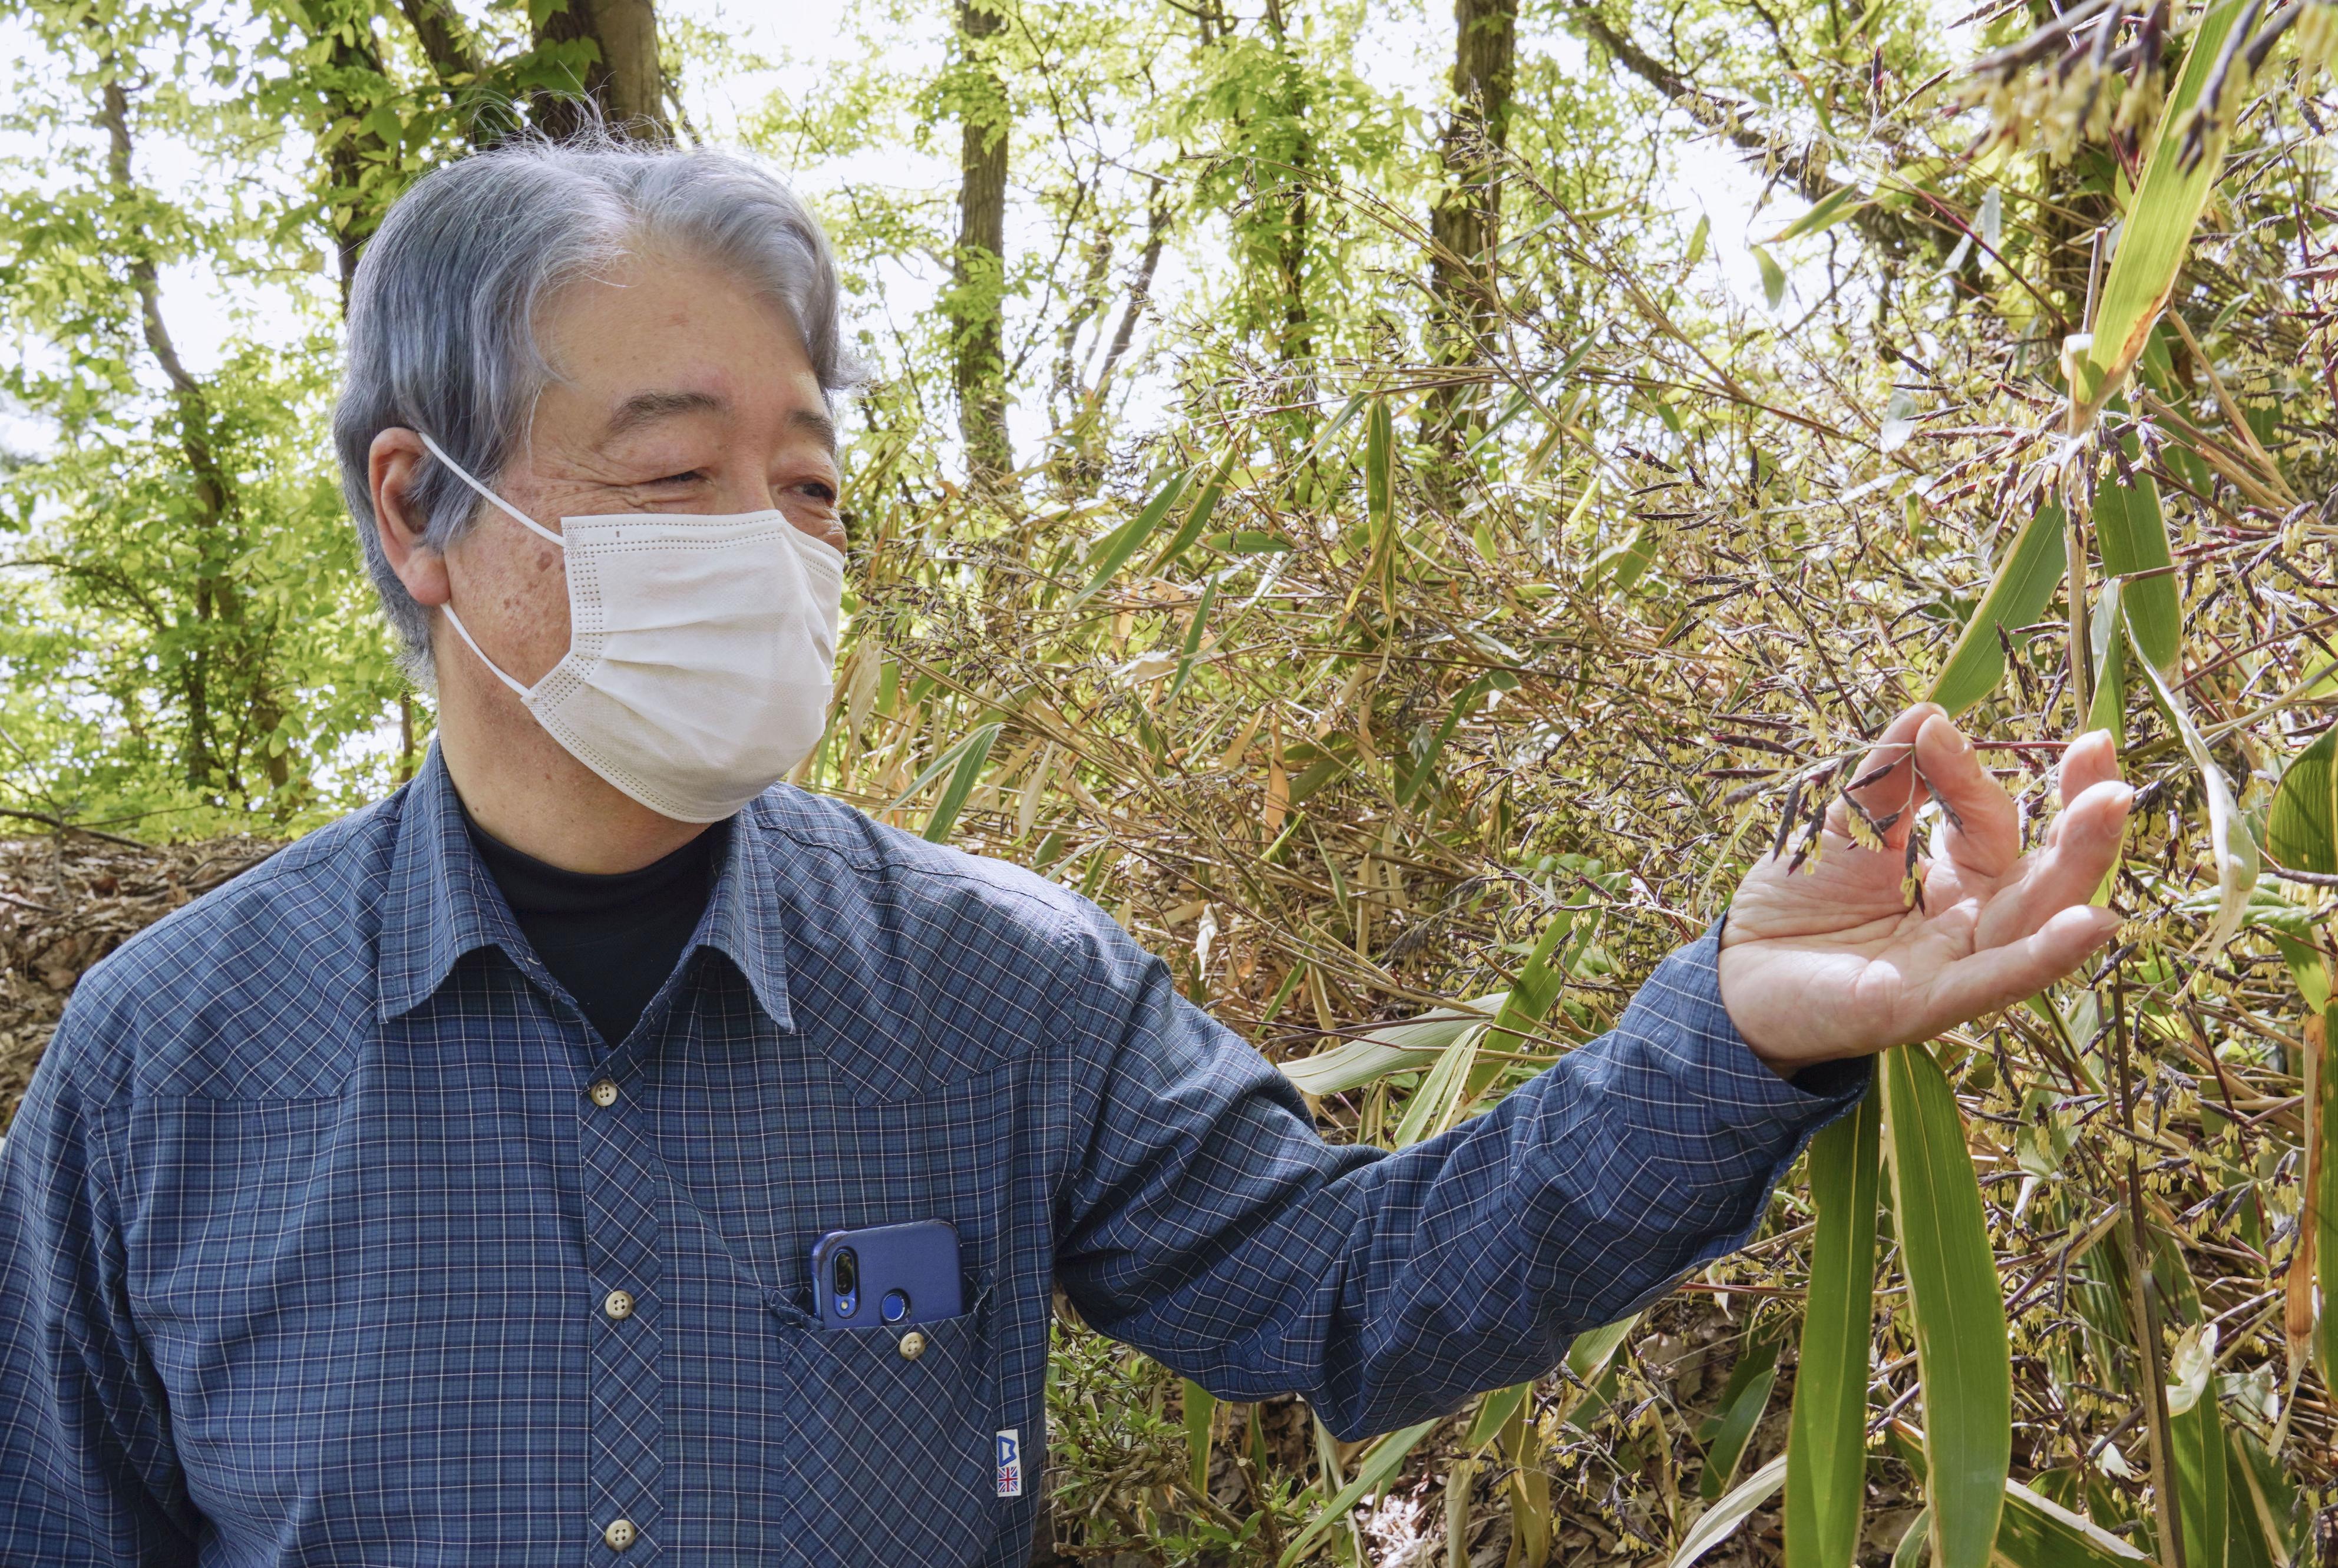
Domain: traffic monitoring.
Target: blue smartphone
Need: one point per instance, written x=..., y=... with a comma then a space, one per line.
x=887, y=1275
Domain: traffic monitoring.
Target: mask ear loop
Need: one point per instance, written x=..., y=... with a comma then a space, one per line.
x=518, y=516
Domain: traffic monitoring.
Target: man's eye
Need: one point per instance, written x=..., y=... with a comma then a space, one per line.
x=689, y=479
x=823, y=493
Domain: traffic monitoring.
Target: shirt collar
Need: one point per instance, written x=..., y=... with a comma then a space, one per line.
x=442, y=903
x=743, y=919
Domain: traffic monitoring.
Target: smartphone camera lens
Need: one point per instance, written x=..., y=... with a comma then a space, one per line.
x=845, y=1279
x=895, y=1306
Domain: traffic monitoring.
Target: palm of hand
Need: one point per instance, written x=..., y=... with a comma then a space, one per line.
x=1830, y=960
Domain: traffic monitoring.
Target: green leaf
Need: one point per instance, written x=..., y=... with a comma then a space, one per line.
x=1197, y=518
x=1387, y=1048
x=1696, y=238
x=2133, y=538
x=1200, y=1404
x=1720, y=1521
x=1826, y=1448
x=2269, y=1528
x=971, y=753
x=1494, y=1412
x=1593, y=1348
x=2228, y=836
x=1119, y=546
x=2107, y=710
x=1378, y=1466
x=1464, y=704
x=1620, y=567
x=1963, y=1358
x=1442, y=1094
x=1910, y=1550
x=2038, y=1534
x=2158, y=226
x=1831, y=210
x=1742, y=1400
x=2324, y=1166
x=2204, y=1504
x=2025, y=580
x=1538, y=983
x=1773, y=277
x=2301, y=827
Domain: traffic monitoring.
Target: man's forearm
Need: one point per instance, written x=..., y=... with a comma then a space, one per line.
x=1388, y=1288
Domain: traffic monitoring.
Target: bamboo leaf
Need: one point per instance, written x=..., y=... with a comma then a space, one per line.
x=2132, y=537
x=1442, y=1093
x=1773, y=277
x=1742, y=1400
x=2025, y=578
x=1119, y=546
x=2301, y=827
x=2107, y=630
x=1494, y=1412
x=1204, y=507
x=1831, y=210
x=2039, y=1534
x=971, y=753
x=1910, y=1550
x=2234, y=852
x=1826, y=1449
x=2200, y=1475
x=1540, y=979
x=2274, y=1529
x=2322, y=1200
x=1963, y=1357
x=1593, y=1348
x=1720, y=1521
x=2158, y=228
x=1201, y=1406
x=1464, y=704
x=1378, y=1466
x=1389, y=1048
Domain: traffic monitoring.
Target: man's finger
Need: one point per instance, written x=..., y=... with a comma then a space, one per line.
x=1999, y=976
x=2066, y=872
x=1984, y=833
x=1885, y=783
x=2090, y=759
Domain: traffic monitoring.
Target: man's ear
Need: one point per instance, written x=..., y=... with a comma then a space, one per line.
x=393, y=463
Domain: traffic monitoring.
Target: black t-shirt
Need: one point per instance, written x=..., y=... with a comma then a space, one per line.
x=610, y=940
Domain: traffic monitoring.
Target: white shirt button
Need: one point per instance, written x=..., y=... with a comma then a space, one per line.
x=603, y=1093
x=618, y=1304
x=619, y=1535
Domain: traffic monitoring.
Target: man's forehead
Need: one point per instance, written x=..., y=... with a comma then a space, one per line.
x=651, y=406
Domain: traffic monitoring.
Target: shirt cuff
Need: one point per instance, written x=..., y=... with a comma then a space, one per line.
x=1704, y=1054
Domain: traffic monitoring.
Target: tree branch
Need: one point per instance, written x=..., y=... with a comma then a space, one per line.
x=1893, y=231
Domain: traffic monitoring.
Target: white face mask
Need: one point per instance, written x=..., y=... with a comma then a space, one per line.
x=700, y=652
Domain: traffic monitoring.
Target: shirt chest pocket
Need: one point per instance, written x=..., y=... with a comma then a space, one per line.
x=894, y=1449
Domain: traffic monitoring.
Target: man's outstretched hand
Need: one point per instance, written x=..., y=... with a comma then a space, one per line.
x=1830, y=961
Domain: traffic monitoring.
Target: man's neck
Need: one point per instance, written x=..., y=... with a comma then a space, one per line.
x=522, y=785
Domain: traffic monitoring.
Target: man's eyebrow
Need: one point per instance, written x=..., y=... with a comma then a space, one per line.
x=648, y=407
x=818, y=425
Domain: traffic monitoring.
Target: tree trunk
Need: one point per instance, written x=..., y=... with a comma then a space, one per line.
x=624, y=79
x=228, y=644
x=976, y=302
x=1466, y=223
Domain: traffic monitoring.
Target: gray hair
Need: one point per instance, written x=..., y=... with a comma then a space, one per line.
x=442, y=310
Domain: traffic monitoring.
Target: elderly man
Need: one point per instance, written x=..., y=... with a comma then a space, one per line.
x=446, y=1190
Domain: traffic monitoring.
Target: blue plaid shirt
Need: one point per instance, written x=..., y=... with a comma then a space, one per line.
x=310, y=1221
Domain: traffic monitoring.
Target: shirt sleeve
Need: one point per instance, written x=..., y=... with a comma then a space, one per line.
x=87, y=1472
x=1208, y=1224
